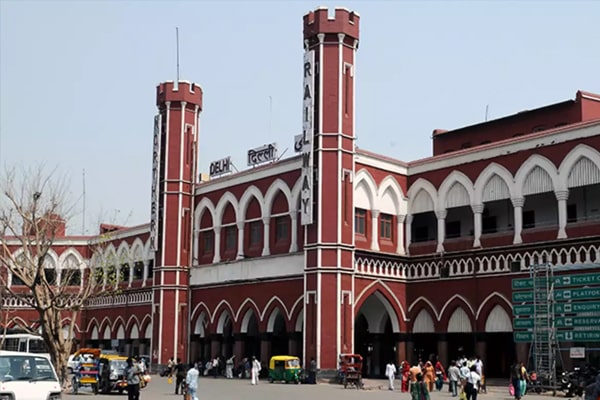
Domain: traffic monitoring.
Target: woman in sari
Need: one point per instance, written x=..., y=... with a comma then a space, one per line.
x=405, y=375
x=429, y=375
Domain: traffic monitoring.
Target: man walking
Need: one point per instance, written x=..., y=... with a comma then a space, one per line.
x=390, y=372
x=255, y=370
x=312, y=372
x=132, y=374
x=179, y=375
x=454, y=377
x=191, y=380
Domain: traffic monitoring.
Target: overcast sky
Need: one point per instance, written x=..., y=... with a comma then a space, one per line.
x=78, y=78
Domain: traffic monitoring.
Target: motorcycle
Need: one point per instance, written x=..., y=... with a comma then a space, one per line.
x=574, y=383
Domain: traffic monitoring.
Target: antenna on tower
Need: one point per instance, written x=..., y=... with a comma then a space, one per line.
x=487, y=107
x=83, y=219
x=177, y=40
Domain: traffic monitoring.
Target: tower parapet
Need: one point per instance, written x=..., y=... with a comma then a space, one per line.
x=185, y=91
x=344, y=21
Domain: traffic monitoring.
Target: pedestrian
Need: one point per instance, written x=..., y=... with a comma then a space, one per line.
x=440, y=375
x=132, y=374
x=418, y=390
x=179, y=375
x=471, y=384
x=312, y=372
x=229, y=367
x=405, y=370
x=390, y=372
x=191, y=380
x=515, y=379
x=215, y=367
x=256, y=367
x=453, y=377
x=429, y=375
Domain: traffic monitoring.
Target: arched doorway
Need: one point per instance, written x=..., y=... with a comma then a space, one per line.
x=375, y=326
x=228, y=339
x=279, y=340
x=251, y=335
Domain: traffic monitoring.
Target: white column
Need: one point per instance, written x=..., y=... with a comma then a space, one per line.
x=196, y=245
x=477, y=211
x=518, y=209
x=408, y=226
x=131, y=268
x=400, y=229
x=217, y=245
x=266, y=236
x=374, y=229
x=240, y=253
x=145, y=272
x=294, y=238
x=562, y=197
x=441, y=229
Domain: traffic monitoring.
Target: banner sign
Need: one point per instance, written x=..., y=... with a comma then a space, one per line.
x=220, y=167
x=298, y=143
x=156, y=161
x=306, y=191
x=259, y=155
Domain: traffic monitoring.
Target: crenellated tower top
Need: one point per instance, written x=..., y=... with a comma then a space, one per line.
x=186, y=91
x=344, y=21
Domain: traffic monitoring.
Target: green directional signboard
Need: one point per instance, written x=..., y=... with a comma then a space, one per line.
x=559, y=281
x=562, y=336
x=577, y=307
x=561, y=322
x=561, y=294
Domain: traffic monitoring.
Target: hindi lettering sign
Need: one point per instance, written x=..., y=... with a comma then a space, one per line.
x=561, y=294
x=156, y=163
x=559, y=281
x=562, y=322
x=306, y=190
x=220, y=167
x=259, y=155
x=561, y=308
x=562, y=336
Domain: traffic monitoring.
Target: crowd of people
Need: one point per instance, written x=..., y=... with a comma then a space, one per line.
x=465, y=377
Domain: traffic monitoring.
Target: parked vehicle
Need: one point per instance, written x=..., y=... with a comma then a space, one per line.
x=350, y=370
x=112, y=373
x=87, y=370
x=284, y=368
x=28, y=376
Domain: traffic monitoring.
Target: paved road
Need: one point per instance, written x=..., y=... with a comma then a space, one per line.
x=214, y=389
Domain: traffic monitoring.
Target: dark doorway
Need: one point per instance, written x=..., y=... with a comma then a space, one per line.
x=280, y=341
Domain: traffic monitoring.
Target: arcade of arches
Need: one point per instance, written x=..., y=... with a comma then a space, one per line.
x=377, y=336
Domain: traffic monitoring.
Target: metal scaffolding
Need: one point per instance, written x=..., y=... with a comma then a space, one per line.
x=544, y=353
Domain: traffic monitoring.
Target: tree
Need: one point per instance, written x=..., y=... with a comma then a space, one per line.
x=33, y=212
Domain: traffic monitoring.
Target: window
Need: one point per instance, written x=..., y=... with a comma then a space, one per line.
x=281, y=229
x=230, y=238
x=421, y=234
x=572, y=213
x=50, y=275
x=255, y=233
x=452, y=229
x=208, y=238
x=138, y=270
x=73, y=276
x=125, y=272
x=360, y=221
x=528, y=219
x=385, y=226
x=488, y=224
x=150, y=269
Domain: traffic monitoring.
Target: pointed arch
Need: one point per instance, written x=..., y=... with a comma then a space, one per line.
x=250, y=312
x=94, y=335
x=296, y=195
x=148, y=250
x=390, y=199
x=423, y=323
x=224, y=317
x=137, y=250
x=145, y=325
x=68, y=254
x=223, y=304
x=365, y=190
x=250, y=193
x=450, y=194
x=51, y=257
x=297, y=307
x=386, y=291
x=487, y=175
x=458, y=299
x=107, y=334
x=204, y=205
x=278, y=185
x=422, y=197
x=121, y=332
x=123, y=253
x=459, y=322
x=131, y=323
x=491, y=297
x=104, y=324
x=299, y=325
x=428, y=304
x=134, y=333
x=273, y=317
x=224, y=201
x=274, y=302
x=201, y=324
x=523, y=175
x=498, y=320
x=117, y=322
x=199, y=308
x=92, y=323
x=571, y=159
x=248, y=303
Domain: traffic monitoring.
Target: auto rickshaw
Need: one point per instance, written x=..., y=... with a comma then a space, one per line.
x=86, y=372
x=112, y=373
x=284, y=368
x=350, y=370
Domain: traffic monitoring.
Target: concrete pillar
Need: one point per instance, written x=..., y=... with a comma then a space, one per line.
x=294, y=238
x=374, y=229
x=518, y=210
x=477, y=211
x=215, y=347
x=408, y=225
x=217, y=256
x=240, y=252
x=410, y=352
x=265, y=349
x=442, y=350
x=400, y=229
x=441, y=229
x=266, y=236
x=562, y=197
x=238, y=348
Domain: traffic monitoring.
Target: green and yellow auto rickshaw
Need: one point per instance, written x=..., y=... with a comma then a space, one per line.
x=284, y=368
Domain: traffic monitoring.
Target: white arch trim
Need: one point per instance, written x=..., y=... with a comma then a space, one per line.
x=525, y=169
x=204, y=205
x=275, y=187
x=246, y=320
x=272, y=318
x=364, y=178
x=278, y=300
x=389, y=291
x=488, y=298
x=425, y=300
x=256, y=309
x=224, y=201
x=581, y=150
x=456, y=296
x=449, y=181
x=416, y=187
x=485, y=175
x=250, y=193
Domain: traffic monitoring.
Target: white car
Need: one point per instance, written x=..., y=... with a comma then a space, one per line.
x=27, y=376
